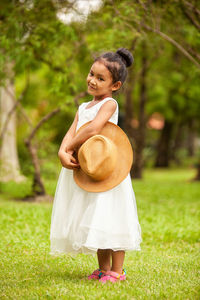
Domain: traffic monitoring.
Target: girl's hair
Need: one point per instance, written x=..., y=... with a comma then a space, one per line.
x=117, y=62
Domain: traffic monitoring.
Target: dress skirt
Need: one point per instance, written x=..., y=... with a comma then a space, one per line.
x=83, y=222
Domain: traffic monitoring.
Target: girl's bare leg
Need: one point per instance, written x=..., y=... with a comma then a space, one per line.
x=117, y=261
x=104, y=256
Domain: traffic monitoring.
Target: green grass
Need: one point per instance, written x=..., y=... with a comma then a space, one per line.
x=166, y=268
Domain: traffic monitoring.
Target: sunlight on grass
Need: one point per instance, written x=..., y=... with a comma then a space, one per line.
x=166, y=268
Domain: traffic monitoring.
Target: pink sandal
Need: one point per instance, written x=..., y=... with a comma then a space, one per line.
x=113, y=276
x=97, y=274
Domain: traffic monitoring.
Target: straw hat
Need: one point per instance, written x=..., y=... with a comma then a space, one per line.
x=105, y=159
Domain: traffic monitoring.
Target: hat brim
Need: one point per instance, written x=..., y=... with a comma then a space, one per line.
x=123, y=165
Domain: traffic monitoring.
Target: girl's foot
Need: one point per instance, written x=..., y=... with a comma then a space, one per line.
x=113, y=276
x=97, y=274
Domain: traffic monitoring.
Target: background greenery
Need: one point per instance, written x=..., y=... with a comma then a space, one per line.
x=50, y=61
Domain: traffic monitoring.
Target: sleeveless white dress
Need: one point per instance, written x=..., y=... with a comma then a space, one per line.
x=83, y=222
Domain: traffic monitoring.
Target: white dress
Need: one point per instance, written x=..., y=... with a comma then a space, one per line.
x=83, y=222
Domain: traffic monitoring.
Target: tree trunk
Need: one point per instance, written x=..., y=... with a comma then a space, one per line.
x=178, y=141
x=129, y=105
x=128, y=117
x=136, y=172
x=37, y=186
x=163, y=147
x=197, y=177
x=10, y=169
x=190, y=138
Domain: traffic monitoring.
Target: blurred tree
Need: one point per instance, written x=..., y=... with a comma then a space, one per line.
x=31, y=35
x=169, y=51
x=139, y=134
x=9, y=162
x=181, y=106
x=164, y=77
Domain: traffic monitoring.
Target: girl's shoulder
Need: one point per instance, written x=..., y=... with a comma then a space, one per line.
x=97, y=106
x=109, y=99
x=106, y=100
x=100, y=102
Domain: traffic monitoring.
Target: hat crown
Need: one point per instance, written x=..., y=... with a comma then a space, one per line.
x=98, y=157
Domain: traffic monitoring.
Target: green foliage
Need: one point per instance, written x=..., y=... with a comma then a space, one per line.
x=55, y=58
x=15, y=190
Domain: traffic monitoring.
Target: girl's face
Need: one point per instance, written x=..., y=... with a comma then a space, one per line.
x=100, y=83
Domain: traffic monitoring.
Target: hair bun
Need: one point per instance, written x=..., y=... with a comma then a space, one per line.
x=126, y=56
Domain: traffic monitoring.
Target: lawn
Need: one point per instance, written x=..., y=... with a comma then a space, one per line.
x=166, y=268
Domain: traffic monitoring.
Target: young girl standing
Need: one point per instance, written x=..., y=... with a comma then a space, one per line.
x=105, y=223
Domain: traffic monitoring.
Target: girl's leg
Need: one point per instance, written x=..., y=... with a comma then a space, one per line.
x=117, y=261
x=104, y=256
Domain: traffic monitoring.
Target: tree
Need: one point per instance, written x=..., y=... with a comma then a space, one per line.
x=10, y=169
x=169, y=52
x=28, y=40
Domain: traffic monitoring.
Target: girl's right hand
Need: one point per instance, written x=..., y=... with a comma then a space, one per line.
x=68, y=160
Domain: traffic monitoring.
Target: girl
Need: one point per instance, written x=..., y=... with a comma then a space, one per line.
x=105, y=223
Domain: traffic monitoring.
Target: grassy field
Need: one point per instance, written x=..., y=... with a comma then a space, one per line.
x=166, y=268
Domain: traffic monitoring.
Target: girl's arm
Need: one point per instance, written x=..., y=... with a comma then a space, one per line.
x=66, y=158
x=96, y=125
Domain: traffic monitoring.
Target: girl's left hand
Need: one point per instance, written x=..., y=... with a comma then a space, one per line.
x=68, y=160
x=70, y=152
